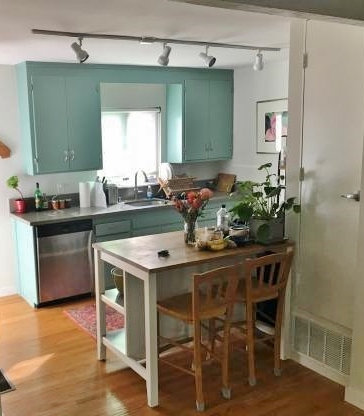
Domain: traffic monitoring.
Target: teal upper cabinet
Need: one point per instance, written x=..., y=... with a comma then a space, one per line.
x=84, y=124
x=220, y=120
x=60, y=121
x=60, y=113
x=200, y=120
x=196, y=120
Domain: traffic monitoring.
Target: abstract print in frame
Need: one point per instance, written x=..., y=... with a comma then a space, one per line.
x=272, y=122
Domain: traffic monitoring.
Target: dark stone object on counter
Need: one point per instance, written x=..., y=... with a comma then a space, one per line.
x=241, y=241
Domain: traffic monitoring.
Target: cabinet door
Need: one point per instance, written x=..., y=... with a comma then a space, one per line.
x=174, y=151
x=196, y=120
x=26, y=262
x=84, y=124
x=220, y=123
x=49, y=124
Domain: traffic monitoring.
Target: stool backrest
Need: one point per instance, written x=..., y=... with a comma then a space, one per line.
x=214, y=292
x=266, y=276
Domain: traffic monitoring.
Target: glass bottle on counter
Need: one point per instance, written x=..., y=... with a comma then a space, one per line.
x=149, y=192
x=45, y=201
x=38, y=198
x=222, y=220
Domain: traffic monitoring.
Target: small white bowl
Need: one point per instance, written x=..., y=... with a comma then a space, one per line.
x=239, y=231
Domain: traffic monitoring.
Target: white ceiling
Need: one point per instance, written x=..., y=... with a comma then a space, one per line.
x=156, y=18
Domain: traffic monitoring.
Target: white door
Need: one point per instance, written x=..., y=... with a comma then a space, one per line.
x=332, y=155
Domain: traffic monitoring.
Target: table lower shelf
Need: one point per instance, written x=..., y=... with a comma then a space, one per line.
x=116, y=342
x=113, y=298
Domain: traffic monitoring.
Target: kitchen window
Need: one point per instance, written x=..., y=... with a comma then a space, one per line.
x=130, y=141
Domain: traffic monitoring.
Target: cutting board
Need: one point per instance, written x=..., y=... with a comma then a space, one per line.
x=225, y=181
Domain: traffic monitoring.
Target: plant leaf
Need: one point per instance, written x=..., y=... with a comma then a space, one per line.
x=265, y=166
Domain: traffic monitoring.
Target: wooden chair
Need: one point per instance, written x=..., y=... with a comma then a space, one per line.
x=265, y=278
x=213, y=295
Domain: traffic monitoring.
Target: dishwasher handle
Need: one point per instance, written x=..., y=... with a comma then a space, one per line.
x=90, y=240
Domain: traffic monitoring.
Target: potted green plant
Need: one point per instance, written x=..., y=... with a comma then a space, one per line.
x=260, y=205
x=20, y=203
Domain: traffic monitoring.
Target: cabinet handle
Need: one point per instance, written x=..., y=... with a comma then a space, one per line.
x=65, y=156
x=72, y=152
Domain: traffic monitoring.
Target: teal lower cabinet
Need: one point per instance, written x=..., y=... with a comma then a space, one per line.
x=156, y=221
x=26, y=262
x=208, y=217
x=167, y=219
x=111, y=229
x=107, y=229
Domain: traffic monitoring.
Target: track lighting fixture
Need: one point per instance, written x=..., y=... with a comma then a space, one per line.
x=164, y=58
x=81, y=54
x=209, y=60
x=258, y=64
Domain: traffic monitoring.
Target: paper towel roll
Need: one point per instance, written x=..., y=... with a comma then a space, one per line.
x=84, y=189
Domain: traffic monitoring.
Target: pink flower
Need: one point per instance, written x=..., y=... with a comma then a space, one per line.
x=205, y=193
x=191, y=204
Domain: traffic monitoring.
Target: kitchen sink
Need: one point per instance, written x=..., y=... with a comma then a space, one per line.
x=147, y=202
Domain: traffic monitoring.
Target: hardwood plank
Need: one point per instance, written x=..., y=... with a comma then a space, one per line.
x=53, y=365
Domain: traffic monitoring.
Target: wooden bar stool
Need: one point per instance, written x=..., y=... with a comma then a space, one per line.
x=213, y=295
x=265, y=278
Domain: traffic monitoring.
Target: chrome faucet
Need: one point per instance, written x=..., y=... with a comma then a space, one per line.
x=136, y=190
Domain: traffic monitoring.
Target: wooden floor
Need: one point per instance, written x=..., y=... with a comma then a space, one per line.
x=53, y=365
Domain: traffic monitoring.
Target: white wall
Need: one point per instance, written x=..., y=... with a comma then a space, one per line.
x=249, y=87
x=9, y=135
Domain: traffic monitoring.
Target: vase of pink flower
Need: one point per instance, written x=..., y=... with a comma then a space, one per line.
x=190, y=205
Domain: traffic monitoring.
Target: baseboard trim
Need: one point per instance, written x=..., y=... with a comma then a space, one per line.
x=319, y=368
x=7, y=291
x=354, y=397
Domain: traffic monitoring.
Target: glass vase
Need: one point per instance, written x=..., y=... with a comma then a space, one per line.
x=190, y=232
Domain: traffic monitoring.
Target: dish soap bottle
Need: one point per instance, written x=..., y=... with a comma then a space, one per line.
x=38, y=198
x=222, y=222
x=149, y=192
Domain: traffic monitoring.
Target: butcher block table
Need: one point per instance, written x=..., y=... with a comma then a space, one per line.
x=148, y=277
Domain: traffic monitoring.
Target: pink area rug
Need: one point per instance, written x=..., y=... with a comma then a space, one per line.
x=85, y=317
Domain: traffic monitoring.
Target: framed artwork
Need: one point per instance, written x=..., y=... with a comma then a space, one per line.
x=272, y=122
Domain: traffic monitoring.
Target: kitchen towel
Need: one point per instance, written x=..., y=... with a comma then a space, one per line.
x=98, y=197
x=84, y=190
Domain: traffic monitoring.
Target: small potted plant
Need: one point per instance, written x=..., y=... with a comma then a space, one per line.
x=260, y=205
x=20, y=203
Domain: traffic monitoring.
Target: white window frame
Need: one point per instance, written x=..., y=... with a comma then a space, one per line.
x=129, y=174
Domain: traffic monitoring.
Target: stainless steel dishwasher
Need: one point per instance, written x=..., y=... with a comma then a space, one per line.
x=65, y=265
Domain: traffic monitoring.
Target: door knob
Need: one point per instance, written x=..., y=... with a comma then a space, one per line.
x=355, y=196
